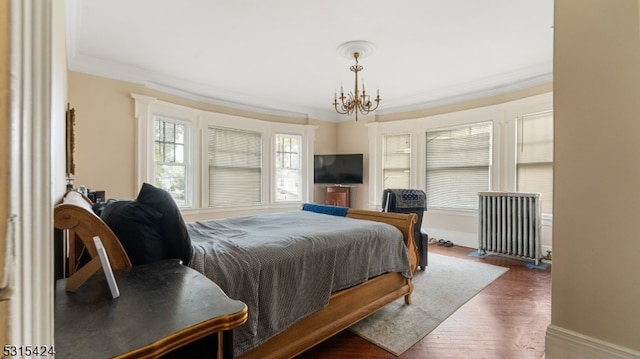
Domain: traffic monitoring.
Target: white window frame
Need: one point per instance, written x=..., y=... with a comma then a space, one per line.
x=275, y=170
x=187, y=163
x=147, y=106
x=512, y=111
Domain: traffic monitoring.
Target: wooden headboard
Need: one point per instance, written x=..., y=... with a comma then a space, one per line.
x=76, y=213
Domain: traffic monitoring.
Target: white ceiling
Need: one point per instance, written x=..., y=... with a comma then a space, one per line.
x=281, y=55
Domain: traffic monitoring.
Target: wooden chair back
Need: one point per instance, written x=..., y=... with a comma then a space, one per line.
x=76, y=214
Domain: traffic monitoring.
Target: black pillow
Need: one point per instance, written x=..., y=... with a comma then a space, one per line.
x=176, y=238
x=137, y=227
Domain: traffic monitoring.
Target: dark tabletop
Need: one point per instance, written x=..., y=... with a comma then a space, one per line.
x=160, y=304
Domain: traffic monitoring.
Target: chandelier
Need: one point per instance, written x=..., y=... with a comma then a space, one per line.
x=355, y=101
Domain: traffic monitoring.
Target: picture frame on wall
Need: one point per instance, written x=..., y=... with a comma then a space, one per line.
x=70, y=140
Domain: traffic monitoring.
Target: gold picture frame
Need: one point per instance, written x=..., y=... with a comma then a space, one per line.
x=70, y=142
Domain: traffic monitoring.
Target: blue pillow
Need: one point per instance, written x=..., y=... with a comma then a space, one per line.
x=325, y=209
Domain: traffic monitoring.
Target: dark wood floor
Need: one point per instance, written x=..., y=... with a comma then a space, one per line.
x=508, y=319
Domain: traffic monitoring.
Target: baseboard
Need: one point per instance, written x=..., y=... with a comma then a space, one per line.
x=465, y=239
x=563, y=344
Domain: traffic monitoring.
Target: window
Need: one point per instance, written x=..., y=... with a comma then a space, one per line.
x=396, y=163
x=288, y=175
x=170, y=145
x=534, y=156
x=235, y=167
x=458, y=164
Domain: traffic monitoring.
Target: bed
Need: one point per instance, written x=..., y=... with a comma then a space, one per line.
x=348, y=301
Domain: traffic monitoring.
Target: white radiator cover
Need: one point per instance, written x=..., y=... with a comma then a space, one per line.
x=510, y=223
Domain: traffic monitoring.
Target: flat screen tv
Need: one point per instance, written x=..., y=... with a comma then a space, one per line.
x=338, y=169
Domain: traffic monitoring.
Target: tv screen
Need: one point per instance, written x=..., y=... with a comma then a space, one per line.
x=338, y=169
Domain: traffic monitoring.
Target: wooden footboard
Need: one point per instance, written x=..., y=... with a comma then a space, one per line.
x=345, y=309
x=404, y=222
x=348, y=306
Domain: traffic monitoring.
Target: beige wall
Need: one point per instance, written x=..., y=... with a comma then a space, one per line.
x=596, y=281
x=353, y=137
x=326, y=142
x=105, y=131
x=104, y=134
x=4, y=155
x=467, y=105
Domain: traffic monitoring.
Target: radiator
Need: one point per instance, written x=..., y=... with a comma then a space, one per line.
x=510, y=223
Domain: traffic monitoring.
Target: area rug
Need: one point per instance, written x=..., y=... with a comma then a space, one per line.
x=439, y=291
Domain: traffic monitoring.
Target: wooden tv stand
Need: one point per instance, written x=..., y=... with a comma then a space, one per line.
x=338, y=196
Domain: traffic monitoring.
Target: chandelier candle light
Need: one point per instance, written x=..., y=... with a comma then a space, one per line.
x=355, y=101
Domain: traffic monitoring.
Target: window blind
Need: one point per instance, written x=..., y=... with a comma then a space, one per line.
x=396, y=165
x=534, y=156
x=235, y=167
x=458, y=162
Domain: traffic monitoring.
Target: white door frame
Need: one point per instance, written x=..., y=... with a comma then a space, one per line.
x=33, y=113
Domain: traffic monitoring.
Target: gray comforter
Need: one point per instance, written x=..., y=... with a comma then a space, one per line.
x=285, y=266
